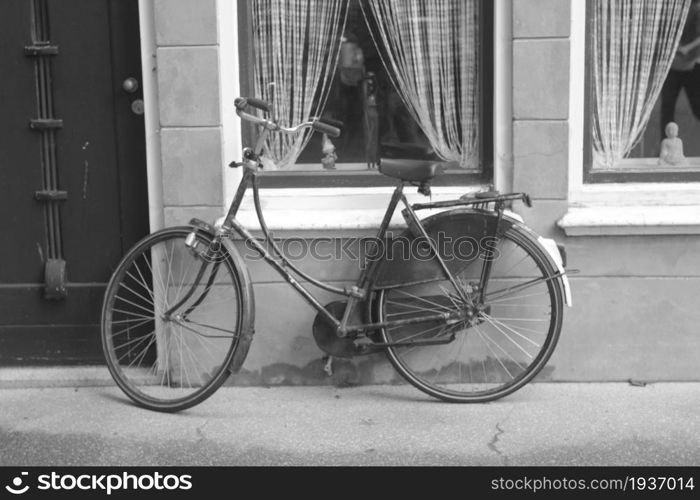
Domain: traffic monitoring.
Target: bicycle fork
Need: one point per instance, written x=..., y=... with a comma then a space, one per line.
x=210, y=256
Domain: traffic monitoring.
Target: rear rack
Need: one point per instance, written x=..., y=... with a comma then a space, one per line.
x=479, y=200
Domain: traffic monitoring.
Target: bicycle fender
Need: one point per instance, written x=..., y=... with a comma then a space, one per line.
x=478, y=222
x=402, y=261
x=248, y=299
x=551, y=250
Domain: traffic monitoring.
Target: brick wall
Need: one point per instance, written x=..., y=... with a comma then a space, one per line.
x=190, y=118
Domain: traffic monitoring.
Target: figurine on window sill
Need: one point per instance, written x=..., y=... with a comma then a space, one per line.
x=328, y=149
x=671, y=154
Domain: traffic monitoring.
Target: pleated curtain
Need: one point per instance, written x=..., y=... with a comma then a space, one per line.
x=430, y=49
x=296, y=45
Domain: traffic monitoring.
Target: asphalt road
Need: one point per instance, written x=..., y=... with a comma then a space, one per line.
x=541, y=425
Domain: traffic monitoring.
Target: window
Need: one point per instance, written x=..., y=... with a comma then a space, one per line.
x=643, y=72
x=368, y=81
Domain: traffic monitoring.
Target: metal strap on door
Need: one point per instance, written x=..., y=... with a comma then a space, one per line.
x=46, y=124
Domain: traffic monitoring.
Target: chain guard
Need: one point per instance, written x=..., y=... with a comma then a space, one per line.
x=328, y=340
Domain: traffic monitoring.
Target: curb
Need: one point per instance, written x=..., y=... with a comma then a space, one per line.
x=54, y=376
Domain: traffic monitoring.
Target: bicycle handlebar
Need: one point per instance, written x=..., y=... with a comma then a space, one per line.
x=243, y=102
x=325, y=126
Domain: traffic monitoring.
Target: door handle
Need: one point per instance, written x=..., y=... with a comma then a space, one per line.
x=130, y=85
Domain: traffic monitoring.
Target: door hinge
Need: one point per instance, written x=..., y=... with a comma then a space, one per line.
x=40, y=49
x=50, y=195
x=45, y=123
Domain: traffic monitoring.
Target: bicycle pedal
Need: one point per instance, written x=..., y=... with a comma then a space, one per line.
x=328, y=366
x=327, y=338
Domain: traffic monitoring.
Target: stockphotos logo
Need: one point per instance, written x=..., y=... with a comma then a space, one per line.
x=16, y=487
x=102, y=482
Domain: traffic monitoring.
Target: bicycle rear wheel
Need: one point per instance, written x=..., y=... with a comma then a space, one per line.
x=176, y=319
x=502, y=347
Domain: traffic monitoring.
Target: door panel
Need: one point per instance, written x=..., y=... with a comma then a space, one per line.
x=99, y=160
x=22, y=218
x=84, y=96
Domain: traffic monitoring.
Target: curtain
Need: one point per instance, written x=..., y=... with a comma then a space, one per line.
x=430, y=49
x=633, y=45
x=295, y=45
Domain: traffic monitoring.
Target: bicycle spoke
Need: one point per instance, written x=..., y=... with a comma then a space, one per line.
x=135, y=315
x=133, y=304
x=163, y=288
x=449, y=296
x=539, y=294
x=137, y=294
x=523, y=329
x=182, y=279
x=517, y=288
x=423, y=299
x=169, y=263
x=529, y=320
x=151, y=336
x=140, y=321
x=450, y=348
x=507, y=273
x=131, y=342
x=207, y=345
x=495, y=356
x=144, y=281
x=130, y=328
x=142, y=284
x=209, y=304
x=233, y=334
x=521, y=348
x=504, y=325
x=413, y=307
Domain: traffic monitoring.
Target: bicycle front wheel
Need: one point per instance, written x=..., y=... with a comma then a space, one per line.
x=176, y=319
x=501, y=347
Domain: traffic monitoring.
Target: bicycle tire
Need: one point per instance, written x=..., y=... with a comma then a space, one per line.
x=495, y=363
x=172, y=362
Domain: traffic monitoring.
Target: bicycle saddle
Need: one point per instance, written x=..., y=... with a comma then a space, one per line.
x=411, y=170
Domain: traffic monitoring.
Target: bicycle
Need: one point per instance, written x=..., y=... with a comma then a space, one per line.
x=470, y=320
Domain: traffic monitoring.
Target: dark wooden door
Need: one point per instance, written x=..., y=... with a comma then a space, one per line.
x=73, y=193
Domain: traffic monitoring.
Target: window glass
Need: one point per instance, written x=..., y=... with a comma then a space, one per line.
x=377, y=122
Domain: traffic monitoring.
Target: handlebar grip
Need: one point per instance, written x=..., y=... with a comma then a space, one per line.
x=259, y=104
x=325, y=128
x=332, y=122
x=242, y=102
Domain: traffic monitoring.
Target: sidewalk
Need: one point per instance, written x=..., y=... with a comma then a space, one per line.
x=542, y=424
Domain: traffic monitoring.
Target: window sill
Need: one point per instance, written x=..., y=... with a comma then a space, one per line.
x=633, y=209
x=334, y=209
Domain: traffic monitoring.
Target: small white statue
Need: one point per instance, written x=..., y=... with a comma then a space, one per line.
x=328, y=149
x=671, y=153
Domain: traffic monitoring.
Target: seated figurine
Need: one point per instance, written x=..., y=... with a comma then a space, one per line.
x=328, y=149
x=671, y=147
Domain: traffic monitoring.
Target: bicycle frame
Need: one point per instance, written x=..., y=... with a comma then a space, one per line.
x=361, y=290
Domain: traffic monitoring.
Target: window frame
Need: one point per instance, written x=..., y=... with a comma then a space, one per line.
x=631, y=170
x=364, y=178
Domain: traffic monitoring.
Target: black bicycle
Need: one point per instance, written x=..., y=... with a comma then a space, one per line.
x=466, y=303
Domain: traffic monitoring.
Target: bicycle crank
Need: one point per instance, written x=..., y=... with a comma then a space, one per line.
x=328, y=340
